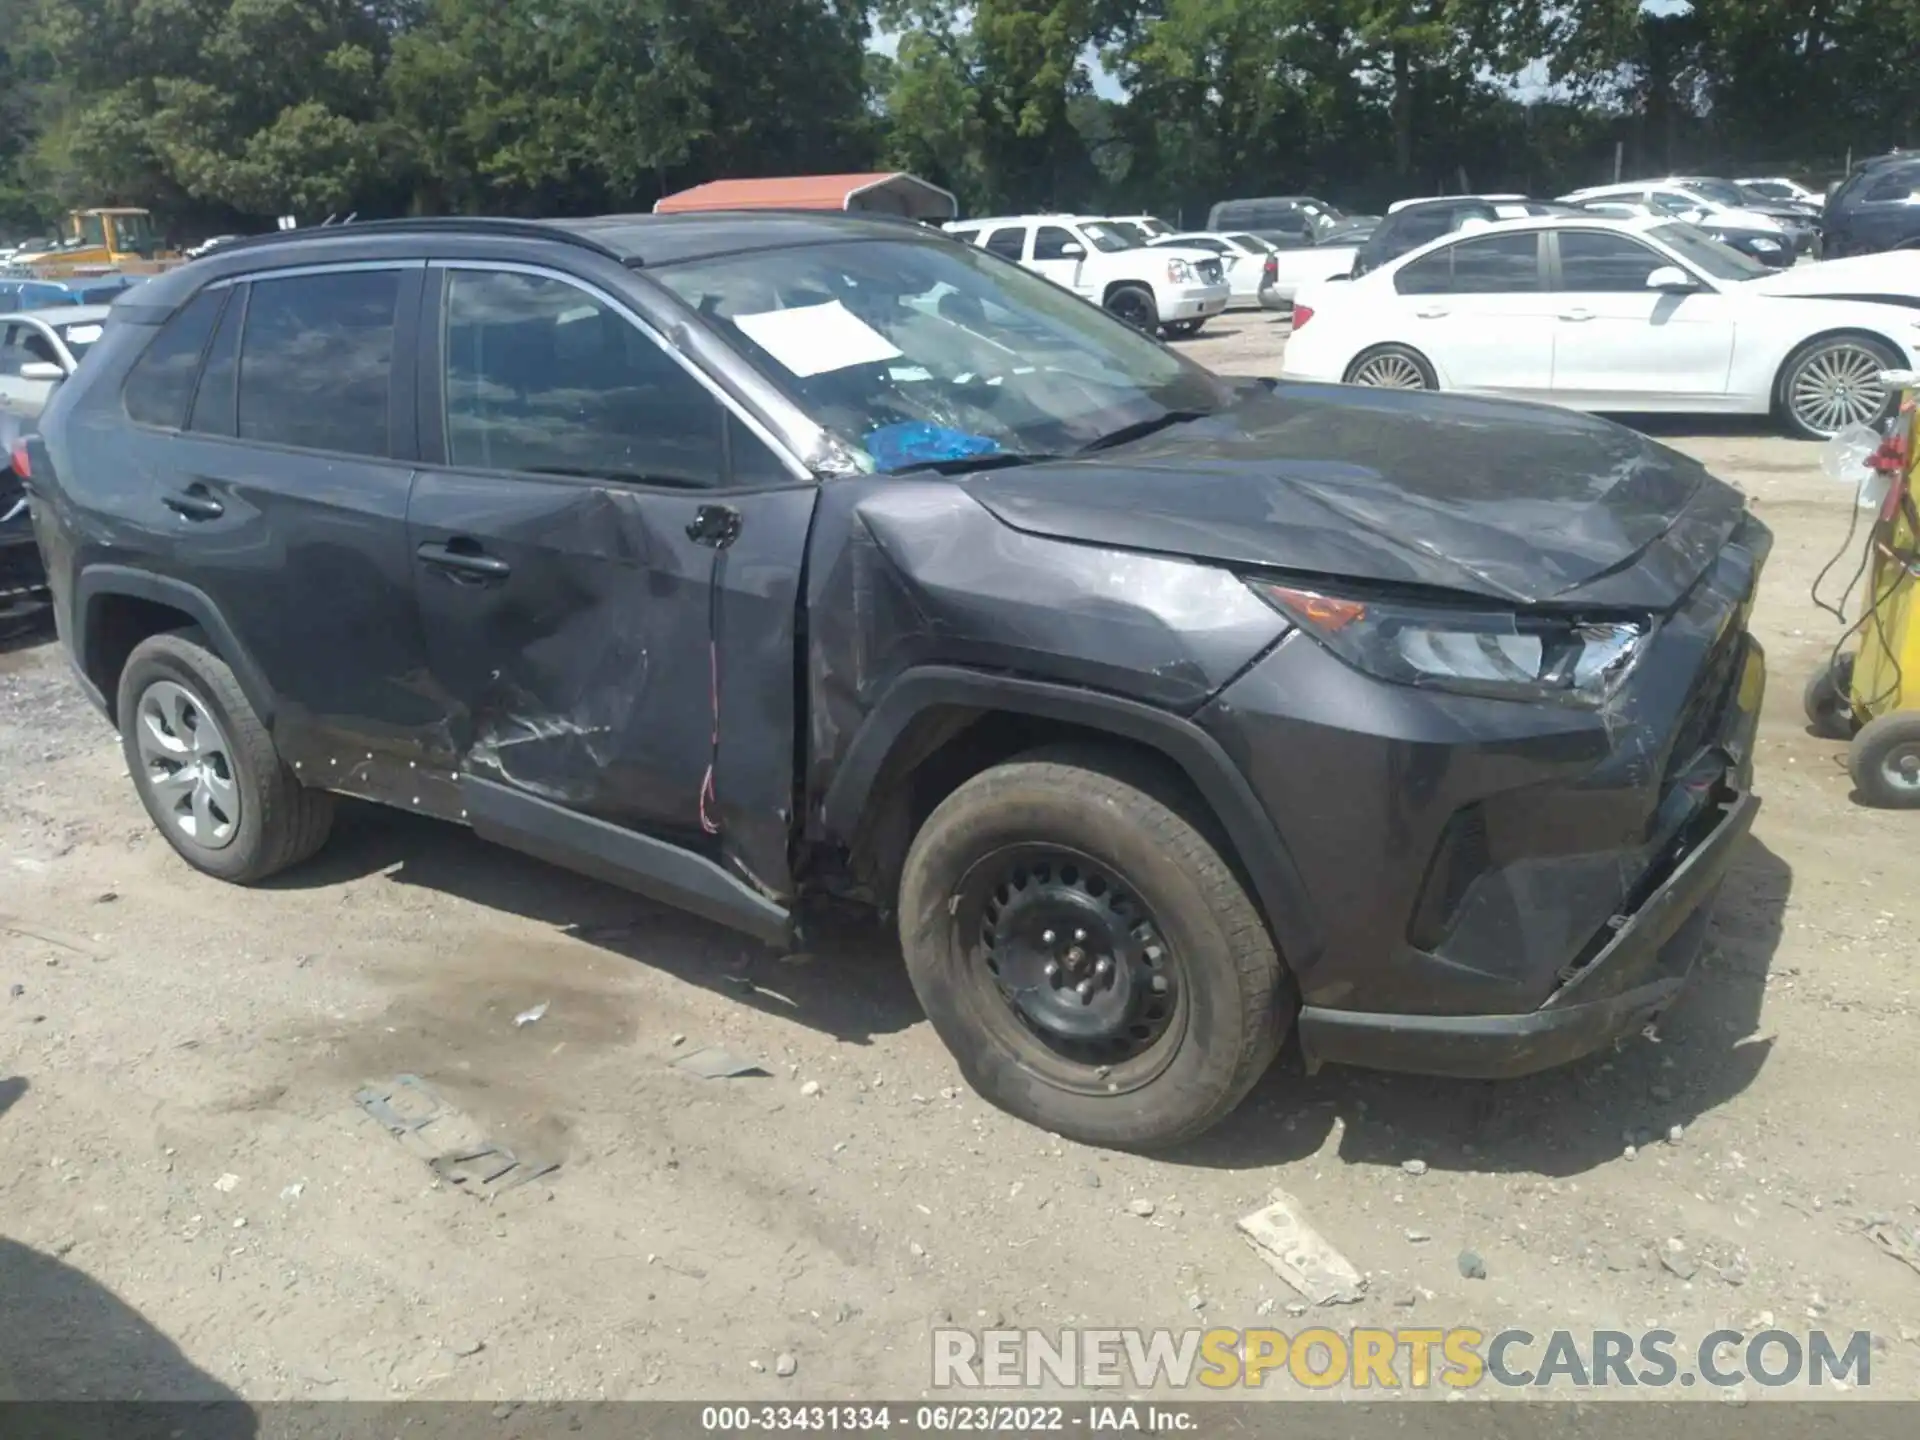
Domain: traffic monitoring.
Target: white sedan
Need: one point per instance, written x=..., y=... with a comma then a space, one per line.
x=1611, y=315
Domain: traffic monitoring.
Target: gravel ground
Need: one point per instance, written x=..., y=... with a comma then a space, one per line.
x=194, y=1204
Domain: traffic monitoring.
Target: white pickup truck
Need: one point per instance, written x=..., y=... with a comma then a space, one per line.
x=1155, y=289
x=1298, y=266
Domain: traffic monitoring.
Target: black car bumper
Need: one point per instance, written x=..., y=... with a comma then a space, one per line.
x=1502, y=887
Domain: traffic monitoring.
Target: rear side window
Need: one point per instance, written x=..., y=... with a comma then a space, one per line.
x=316, y=361
x=162, y=379
x=543, y=378
x=967, y=233
x=213, y=411
x=1493, y=265
x=1008, y=241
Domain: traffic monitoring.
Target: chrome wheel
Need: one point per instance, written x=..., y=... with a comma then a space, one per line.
x=1836, y=386
x=187, y=765
x=1390, y=370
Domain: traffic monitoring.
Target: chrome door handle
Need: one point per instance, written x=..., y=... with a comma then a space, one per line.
x=194, y=503
x=1576, y=315
x=1432, y=312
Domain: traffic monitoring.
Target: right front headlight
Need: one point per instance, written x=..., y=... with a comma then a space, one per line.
x=1495, y=653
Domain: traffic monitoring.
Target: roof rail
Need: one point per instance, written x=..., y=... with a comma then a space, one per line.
x=430, y=225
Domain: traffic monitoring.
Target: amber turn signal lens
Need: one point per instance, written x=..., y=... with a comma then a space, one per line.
x=1325, y=612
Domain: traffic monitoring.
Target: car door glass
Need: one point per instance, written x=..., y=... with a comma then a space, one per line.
x=1051, y=243
x=1600, y=262
x=1008, y=241
x=161, y=381
x=1898, y=184
x=542, y=377
x=38, y=346
x=316, y=361
x=1491, y=265
x=213, y=400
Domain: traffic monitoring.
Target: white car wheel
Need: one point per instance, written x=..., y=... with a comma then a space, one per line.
x=1393, y=367
x=1835, y=382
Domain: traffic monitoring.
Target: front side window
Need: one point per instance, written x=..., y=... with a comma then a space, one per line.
x=1051, y=243
x=316, y=361
x=542, y=378
x=917, y=353
x=1900, y=183
x=1599, y=261
x=1491, y=265
x=161, y=382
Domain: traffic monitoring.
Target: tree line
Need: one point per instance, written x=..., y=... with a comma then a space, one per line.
x=221, y=114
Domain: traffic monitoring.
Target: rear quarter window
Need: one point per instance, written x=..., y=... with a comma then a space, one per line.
x=161, y=382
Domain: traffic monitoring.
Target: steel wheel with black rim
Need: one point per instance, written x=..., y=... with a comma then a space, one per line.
x=1088, y=956
x=1135, y=305
x=1393, y=367
x=205, y=766
x=1885, y=761
x=1835, y=382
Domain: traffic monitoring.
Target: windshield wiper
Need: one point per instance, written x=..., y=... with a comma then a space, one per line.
x=967, y=464
x=1140, y=429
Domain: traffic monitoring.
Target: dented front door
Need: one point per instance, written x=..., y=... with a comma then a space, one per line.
x=607, y=563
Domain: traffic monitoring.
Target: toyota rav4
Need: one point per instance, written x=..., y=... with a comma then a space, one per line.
x=743, y=559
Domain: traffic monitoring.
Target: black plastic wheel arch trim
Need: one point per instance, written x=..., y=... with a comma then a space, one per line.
x=101, y=581
x=655, y=868
x=1281, y=892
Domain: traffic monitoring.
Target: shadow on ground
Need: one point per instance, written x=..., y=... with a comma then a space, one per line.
x=73, y=1354
x=1564, y=1122
x=850, y=983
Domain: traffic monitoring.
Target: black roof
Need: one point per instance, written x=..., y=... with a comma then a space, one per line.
x=638, y=241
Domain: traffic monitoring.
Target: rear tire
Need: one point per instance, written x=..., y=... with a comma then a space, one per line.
x=1091, y=960
x=1828, y=699
x=1392, y=367
x=1135, y=305
x=1829, y=384
x=206, y=768
x=1885, y=761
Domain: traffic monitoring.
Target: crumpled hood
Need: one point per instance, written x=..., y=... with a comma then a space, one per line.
x=1890, y=278
x=1521, y=502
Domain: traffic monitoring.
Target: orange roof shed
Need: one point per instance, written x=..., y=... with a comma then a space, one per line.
x=885, y=192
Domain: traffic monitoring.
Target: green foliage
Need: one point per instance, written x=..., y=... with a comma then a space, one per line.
x=224, y=113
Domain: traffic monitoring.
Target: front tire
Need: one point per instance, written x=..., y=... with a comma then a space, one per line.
x=1091, y=960
x=1833, y=382
x=1885, y=761
x=205, y=766
x=1135, y=305
x=1392, y=367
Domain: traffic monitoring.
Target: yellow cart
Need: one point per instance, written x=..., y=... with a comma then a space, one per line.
x=1872, y=696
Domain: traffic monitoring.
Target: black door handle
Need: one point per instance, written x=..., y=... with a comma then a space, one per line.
x=194, y=503
x=464, y=560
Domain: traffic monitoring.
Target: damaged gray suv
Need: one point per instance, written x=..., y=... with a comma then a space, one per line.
x=739, y=559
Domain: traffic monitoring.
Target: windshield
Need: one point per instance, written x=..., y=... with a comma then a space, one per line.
x=79, y=338
x=1704, y=252
x=1108, y=236
x=922, y=353
x=1768, y=189
x=1251, y=242
x=1133, y=234
x=1721, y=192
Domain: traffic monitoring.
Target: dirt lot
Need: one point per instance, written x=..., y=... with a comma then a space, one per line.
x=192, y=1199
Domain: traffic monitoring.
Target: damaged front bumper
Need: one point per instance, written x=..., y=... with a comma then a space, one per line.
x=1644, y=966
x=1500, y=887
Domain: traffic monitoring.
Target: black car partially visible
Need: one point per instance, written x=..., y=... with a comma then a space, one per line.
x=1875, y=208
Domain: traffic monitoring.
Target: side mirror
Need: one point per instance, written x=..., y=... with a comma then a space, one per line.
x=1672, y=279
x=41, y=370
x=1072, y=250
